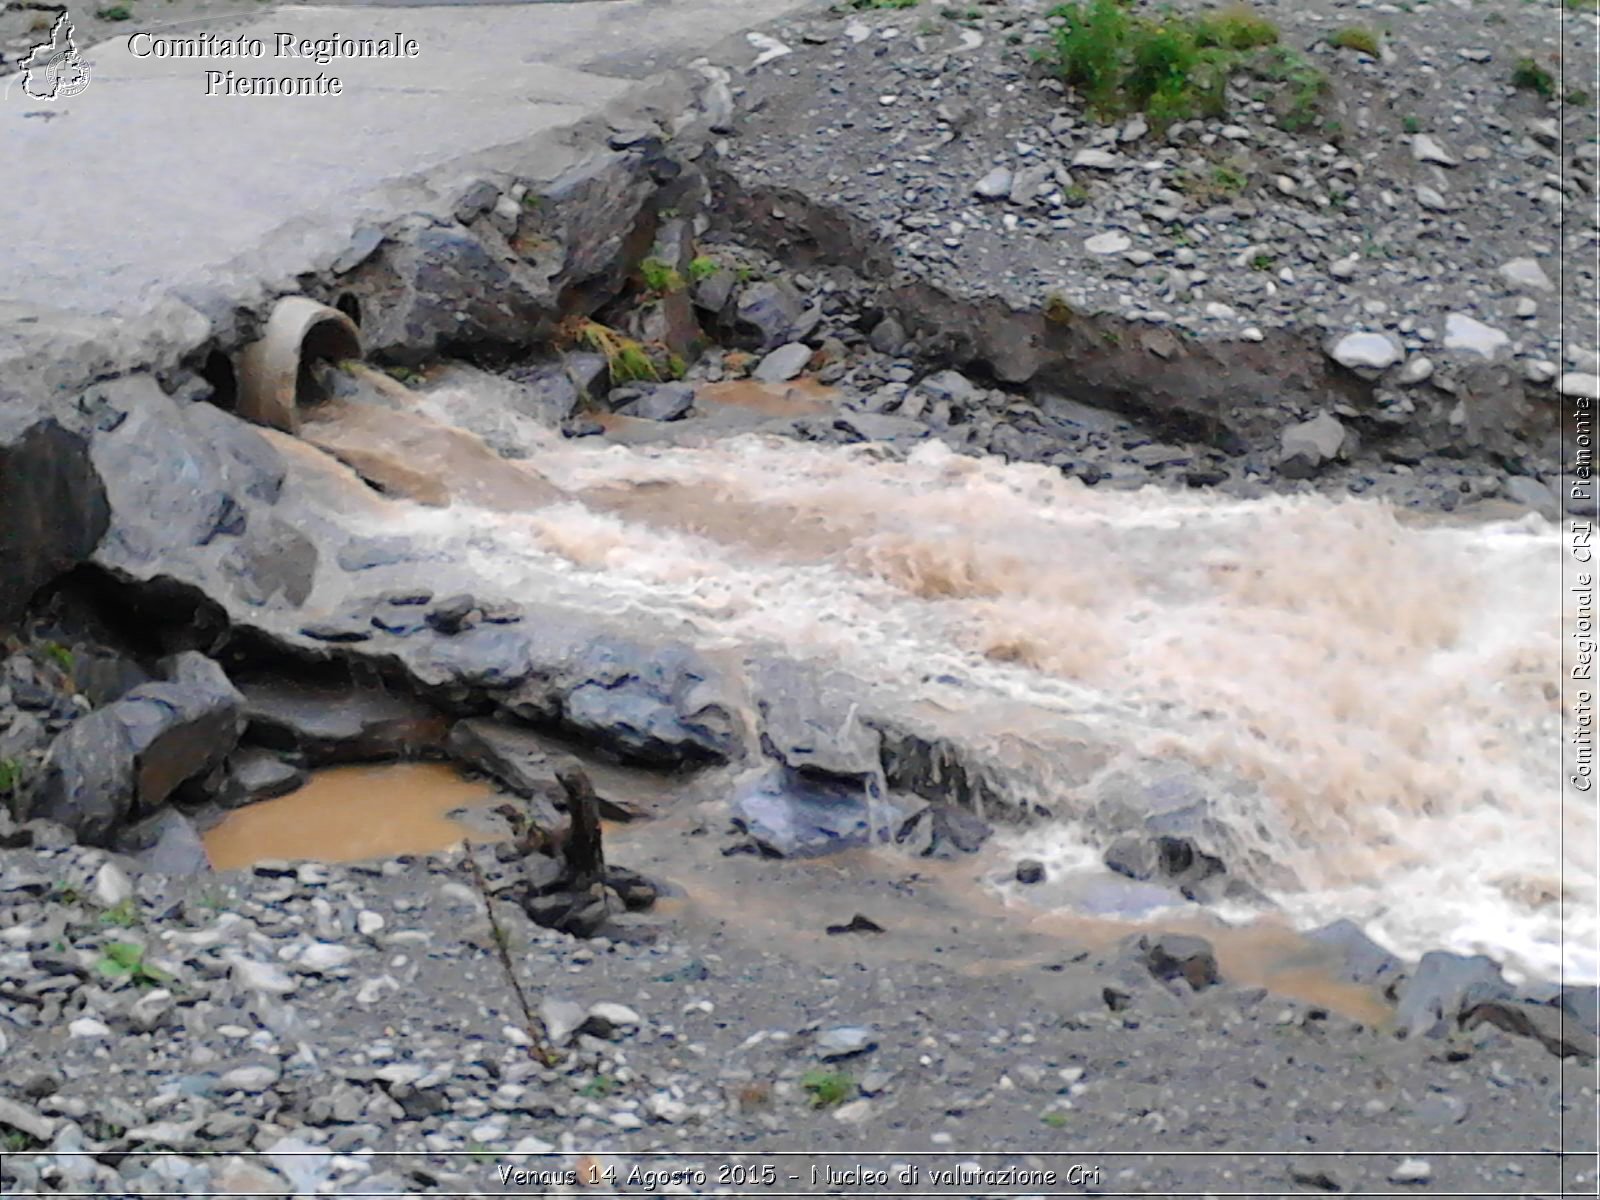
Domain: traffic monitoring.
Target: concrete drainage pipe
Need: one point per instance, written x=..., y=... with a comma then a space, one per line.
x=275, y=376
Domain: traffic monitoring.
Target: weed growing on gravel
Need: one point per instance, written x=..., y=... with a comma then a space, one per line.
x=117, y=12
x=10, y=776
x=126, y=960
x=828, y=1088
x=1582, y=5
x=1056, y=1120
x=1171, y=67
x=661, y=278
x=1356, y=37
x=625, y=358
x=1263, y=262
x=123, y=915
x=14, y=1141
x=1577, y=98
x=598, y=1088
x=1305, y=86
x=1530, y=76
x=703, y=268
x=1411, y=125
x=61, y=655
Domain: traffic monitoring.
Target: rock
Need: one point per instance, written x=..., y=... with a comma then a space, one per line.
x=1551, y=1025
x=1109, y=242
x=1416, y=370
x=1410, y=1170
x=1360, y=959
x=324, y=957
x=844, y=1041
x=653, y=401
x=1576, y=383
x=1031, y=183
x=249, y=1079
x=1030, y=870
x=1526, y=275
x=88, y=1027
x=1462, y=332
x=252, y=976
x=255, y=774
x=790, y=815
x=880, y=427
x=138, y=749
x=1304, y=449
x=323, y=724
x=26, y=1120
x=1171, y=956
x=1442, y=988
x=765, y=315
x=165, y=843
x=1532, y=494
x=607, y=1020
x=659, y=705
x=784, y=363
x=1432, y=199
x=111, y=886
x=948, y=830
x=1376, y=351
x=453, y=614
x=523, y=761
x=800, y=727
x=561, y=1018
x=996, y=185
x=1096, y=159
x=56, y=505
x=888, y=336
x=1426, y=149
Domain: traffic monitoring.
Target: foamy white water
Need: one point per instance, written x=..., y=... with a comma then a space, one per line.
x=1388, y=694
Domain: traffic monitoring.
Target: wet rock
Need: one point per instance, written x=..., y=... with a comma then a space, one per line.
x=1030, y=870
x=880, y=427
x=488, y=657
x=139, y=749
x=55, y=505
x=363, y=553
x=801, y=728
x=271, y=560
x=653, y=402
x=1306, y=448
x=655, y=705
x=1551, y=1025
x=943, y=831
x=255, y=774
x=1442, y=988
x=517, y=757
x=765, y=315
x=1173, y=956
x=791, y=815
x=453, y=614
x=1360, y=959
x=327, y=724
x=784, y=363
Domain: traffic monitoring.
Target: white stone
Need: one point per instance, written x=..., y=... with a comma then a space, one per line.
x=1313, y=442
x=857, y=32
x=619, y=1015
x=88, y=1027
x=1109, y=242
x=1134, y=130
x=261, y=977
x=325, y=956
x=369, y=923
x=111, y=886
x=1344, y=268
x=1526, y=307
x=853, y=1113
x=249, y=1079
x=623, y=1119
x=532, y=1145
x=1526, y=275
x=1576, y=383
x=1462, y=332
x=1375, y=350
x=1538, y=370
x=561, y=1018
x=1096, y=159
x=995, y=185
x=1431, y=199
x=1417, y=369
x=1411, y=1170
x=1425, y=149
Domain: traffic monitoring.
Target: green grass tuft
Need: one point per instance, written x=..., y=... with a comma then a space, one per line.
x=1356, y=37
x=126, y=960
x=1411, y=125
x=828, y=1088
x=660, y=277
x=117, y=12
x=1530, y=76
x=703, y=267
x=123, y=915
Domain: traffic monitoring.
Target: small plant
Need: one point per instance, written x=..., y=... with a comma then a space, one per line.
x=1582, y=5
x=1411, y=125
x=10, y=776
x=747, y=274
x=117, y=12
x=1054, y=1119
x=1356, y=37
x=1075, y=195
x=1305, y=86
x=14, y=1141
x=1263, y=262
x=1577, y=97
x=1057, y=310
x=403, y=374
x=598, y=1088
x=122, y=915
x=61, y=655
x=1528, y=75
x=702, y=268
x=1228, y=181
x=125, y=960
x=828, y=1088
x=478, y=1152
x=625, y=358
x=65, y=893
x=1235, y=28
x=661, y=278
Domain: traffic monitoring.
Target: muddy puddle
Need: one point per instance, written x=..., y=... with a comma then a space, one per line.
x=348, y=814
x=945, y=913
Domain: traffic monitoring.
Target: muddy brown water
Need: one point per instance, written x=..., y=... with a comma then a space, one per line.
x=937, y=912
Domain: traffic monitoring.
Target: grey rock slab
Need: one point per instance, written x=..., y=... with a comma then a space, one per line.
x=1426, y=149
x=55, y=504
x=1110, y=242
x=1471, y=335
x=1307, y=447
x=334, y=725
x=1372, y=350
x=784, y=363
x=996, y=185
x=1525, y=274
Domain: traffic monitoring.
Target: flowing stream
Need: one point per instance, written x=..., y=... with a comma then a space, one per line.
x=1384, y=691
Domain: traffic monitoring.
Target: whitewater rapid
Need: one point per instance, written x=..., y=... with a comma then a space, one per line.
x=1387, y=690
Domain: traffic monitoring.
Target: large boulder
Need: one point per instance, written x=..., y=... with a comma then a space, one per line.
x=791, y=815
x=129, y=757
x=326, y=723
x=54, y=504
x=1443, y=988
x=520, y=759
x=663, y=706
